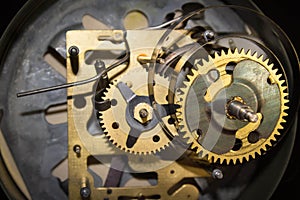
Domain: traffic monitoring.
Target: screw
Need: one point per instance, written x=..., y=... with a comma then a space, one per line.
x=143, y=113
x=209, y=35
x=85, y=192
x=77, y=149
x=73, y=51
x=217, y=174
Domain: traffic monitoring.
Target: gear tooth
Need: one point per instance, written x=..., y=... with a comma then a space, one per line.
x=247, y=158
x=275, y=72
x=255, y=55
x=210, y=157
x=223, y=53
x=193, y=145
x=228, y=161
x=271, y=66
x=236, y=51
x=284, y=114
x=248, y=52
x=266, y=62
x=189, y=77
x=235, y=160
x=216, y=56
x=194, y=71
x=179, y=91
x=209, y=60
x=242, y=52
x=200, y=154
x=258, y=153
x=272, y=138
x=251, y=156
x=285, y=101
x=280, y=126
x=281, y=82
x=178, y=116
x=277, y=133
x=284, y=88
x=260, y=58
x=213, y=158
x=267, y=145
x=186, y=137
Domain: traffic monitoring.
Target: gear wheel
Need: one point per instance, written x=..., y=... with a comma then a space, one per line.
x=232, y=106
x=130, y=123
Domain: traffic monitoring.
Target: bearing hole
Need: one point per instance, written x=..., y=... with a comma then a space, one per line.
x=115, y=125
x=238, y=145
x=230, y=67
x=114, y=102
x=109, y=191
x=253, y=137
x=156, y=138
x=171, y=121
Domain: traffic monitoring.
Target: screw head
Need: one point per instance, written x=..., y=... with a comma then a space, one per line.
x=77, y=149
x=85, y=192
x=143, y=113
x=209, y=35
x=217, y=174
x=73, y=51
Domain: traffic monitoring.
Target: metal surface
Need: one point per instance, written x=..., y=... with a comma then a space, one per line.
x=253, y=80
x=39, y=148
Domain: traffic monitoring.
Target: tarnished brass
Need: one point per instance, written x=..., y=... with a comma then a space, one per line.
x=85, y=145
x=250, y=80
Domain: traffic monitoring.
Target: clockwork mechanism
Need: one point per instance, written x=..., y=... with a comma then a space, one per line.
x=242, y=104
x=123, y=100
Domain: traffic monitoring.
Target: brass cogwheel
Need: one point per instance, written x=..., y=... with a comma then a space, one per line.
x=130, y=123
x=232, y=106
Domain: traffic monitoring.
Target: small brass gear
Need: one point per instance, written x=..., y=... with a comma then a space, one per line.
x=131, y=113
x=254, y=85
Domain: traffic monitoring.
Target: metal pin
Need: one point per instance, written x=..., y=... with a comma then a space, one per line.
x=74, y=52
x=85, y=190
x=241, y=111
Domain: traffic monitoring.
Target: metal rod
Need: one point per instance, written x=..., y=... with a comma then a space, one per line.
x=67, y=85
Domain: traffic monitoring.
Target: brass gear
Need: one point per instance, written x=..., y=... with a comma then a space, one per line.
x=117, y=122
x=239, y=76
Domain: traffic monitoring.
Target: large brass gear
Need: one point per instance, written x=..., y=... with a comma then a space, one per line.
x=124, y=117
x=203, y=116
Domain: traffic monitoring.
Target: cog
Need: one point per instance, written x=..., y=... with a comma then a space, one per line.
x=131, y=124
x=232, y=106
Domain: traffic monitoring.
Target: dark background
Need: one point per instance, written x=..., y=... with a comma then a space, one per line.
x=286, y=14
